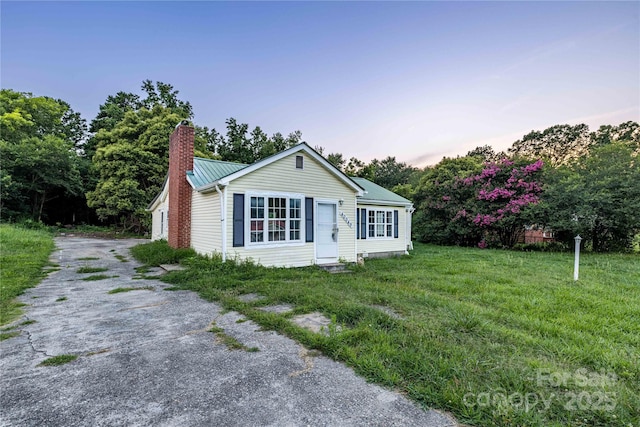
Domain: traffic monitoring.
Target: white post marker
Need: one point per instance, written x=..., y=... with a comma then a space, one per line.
x=576, y=265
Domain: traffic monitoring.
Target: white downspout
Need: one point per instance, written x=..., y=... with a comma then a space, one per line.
x=406, y=228
x=355, y=234
x=222, y=221
x=407, y=236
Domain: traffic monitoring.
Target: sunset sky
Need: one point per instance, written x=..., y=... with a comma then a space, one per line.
x=415, y=80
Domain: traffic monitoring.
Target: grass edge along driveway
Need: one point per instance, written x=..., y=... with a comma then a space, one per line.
x=495, y=337
x=23, y=255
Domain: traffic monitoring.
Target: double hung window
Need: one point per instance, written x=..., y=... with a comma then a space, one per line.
x=380, y=223
x=275, y=219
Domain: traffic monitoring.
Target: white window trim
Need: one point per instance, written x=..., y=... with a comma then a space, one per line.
x=267, y=244
x=376, y=210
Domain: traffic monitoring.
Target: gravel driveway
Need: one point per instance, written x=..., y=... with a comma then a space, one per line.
x=146, y=357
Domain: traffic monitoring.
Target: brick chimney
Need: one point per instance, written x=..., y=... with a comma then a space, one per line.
x=180, y=161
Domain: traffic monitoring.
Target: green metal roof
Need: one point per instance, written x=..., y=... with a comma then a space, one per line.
x=375, y=193
x=207, y=171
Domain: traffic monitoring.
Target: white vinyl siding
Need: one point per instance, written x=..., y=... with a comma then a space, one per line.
x=282, y=177
x=160, y=220
x=385, y=244
x=206, y=228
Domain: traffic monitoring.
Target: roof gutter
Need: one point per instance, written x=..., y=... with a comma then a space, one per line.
x=210, y=187
x=382, y=202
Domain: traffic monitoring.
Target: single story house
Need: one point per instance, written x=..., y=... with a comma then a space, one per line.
x=291, y=209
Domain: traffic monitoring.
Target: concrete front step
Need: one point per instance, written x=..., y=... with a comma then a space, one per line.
x=337, y=267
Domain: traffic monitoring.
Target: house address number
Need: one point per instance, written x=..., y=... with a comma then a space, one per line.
x=346, y=219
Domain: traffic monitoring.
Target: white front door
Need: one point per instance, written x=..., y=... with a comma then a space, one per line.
x=327, y=233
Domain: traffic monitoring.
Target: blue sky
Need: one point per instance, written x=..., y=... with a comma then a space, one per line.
x=415, y=80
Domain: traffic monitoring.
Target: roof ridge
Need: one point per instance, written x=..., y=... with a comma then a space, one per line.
x=221, y=161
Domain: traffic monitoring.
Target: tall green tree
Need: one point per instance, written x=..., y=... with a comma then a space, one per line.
x=597, y=197
x=240, y=145
x=354, y=166
x=129, y=151
x=439, y=196
x=336, y=160
x=556, y=145
x=116, y=106
x=466, y=201
x=486, y=153
x=132, y=160
x=388, y=172
x=38, y=145
x=628, y=132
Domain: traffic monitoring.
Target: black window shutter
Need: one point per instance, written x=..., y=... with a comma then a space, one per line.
x=395, y=224
x=238, y=220
x=308, y=219
x=358, y=223
x=363, y=223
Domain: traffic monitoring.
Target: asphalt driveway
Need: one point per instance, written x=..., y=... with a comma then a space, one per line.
x=146, y=357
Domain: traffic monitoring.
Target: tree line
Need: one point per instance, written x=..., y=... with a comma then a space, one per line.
x=565, y=178
x=56, y=168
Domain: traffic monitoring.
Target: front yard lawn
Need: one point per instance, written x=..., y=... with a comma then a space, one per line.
x=23, y=254
x=495, y=337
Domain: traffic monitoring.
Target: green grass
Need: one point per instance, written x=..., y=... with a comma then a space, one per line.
x=97, y=277
x=91, y=269
x=10, y=331
x=120, y=290
x=23, y=254
x=60, y=299
x=475, y=325
x=158, y=252
x=7, y=335
x=88, y=258
x=59, y=360
x=230, y=342
x=95, y=231
x=121, y=258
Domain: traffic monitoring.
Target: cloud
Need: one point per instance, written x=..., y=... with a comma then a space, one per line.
x=537, y=55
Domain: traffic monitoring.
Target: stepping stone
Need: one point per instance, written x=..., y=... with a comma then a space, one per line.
x=154, y=271
x=391, y=312
x=250, y=297
x=172, y=267
x=315, y=322
x=337, y=267
x=280, y=308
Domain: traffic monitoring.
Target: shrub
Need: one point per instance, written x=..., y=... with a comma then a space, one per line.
x=159, y=252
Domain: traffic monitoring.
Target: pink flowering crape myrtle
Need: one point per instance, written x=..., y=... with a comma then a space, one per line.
x=503, y=191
